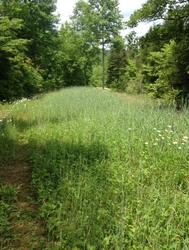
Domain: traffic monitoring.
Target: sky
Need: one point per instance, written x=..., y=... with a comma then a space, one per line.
x=127, y=7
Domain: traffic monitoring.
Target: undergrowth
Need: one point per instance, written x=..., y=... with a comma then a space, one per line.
x=109, y=172
x=8, y=195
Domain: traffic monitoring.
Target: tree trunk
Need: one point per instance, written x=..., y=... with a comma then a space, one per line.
x=103, y=66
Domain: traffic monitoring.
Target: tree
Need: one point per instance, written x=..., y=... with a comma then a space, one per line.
x=174, y=27
x=152, y=10
x=132, y=44
x=81, y=25
x=40, y=28
x=72, y=58
x=35, y=32
x=162, y=66
x=106, y=23
x=18, y=77
x=117, y=61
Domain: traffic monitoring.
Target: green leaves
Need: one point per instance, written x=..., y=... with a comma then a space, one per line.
x=8, y=35
x=117, y=61
x=106, y=19
x=27, y=46
x=18, y=77
x=162, y=66
x=163, y=9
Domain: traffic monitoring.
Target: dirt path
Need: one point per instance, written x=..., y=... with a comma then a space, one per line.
x=27, y=229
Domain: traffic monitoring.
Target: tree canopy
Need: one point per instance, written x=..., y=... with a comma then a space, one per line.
x=36, y=55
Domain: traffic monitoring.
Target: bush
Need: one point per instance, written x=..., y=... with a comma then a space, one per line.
x=162, y=67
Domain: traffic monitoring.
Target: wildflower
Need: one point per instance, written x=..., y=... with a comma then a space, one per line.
x=158, y=131
x=163, y=138
x=129, y=129
x=185, y=137
x=155, y=144
x=183, y=143
x=169, y=126
x=1, y=120
x=146, y=143
x=179, y=148
x=9, y=120
x=23, y=100
x=175, y=142
x=157, y=139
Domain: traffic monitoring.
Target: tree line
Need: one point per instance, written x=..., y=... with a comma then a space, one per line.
x=37, y=56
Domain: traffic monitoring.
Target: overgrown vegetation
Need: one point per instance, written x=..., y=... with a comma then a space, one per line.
x=164, y=49
x=110, y=171
x=37, y=56
x=101, y=170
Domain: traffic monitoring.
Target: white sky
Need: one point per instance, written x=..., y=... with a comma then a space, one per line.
x=65, y=8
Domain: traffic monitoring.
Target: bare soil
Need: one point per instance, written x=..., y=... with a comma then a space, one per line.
x=28, y=229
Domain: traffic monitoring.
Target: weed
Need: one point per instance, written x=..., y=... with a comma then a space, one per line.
x=109, y=172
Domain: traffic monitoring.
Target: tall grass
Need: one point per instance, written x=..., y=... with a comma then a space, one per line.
x=110, y=172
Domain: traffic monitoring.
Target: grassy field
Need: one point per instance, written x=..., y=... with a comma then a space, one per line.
x=109, y=171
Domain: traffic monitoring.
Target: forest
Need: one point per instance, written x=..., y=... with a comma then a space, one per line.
x=36, y=55
x=94, y=138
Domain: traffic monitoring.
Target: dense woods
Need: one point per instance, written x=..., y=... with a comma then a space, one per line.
x=37, y=56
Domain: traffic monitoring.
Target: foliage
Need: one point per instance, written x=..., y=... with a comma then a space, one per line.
x=153, y=44
x=164, y=9
x=96, y=77
x=102, y=161
x=106, y=23
x=134, y=79
x=39, y=23
x=74, y=59
x=18, y=77
x=117, y=61
x=132, y=44
x=8, y=195
x=36, y=56
x=27, y=46
x=162, y=67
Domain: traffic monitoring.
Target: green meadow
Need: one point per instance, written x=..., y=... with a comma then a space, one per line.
x=109, y=171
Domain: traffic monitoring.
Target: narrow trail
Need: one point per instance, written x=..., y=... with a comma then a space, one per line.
x=27, y=228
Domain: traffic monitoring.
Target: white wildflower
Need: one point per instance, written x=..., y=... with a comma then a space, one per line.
x=175, y=142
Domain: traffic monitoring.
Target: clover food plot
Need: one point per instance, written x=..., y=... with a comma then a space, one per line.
x=108, y=172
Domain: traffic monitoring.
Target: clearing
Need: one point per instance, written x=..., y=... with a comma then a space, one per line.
x=85, y=168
